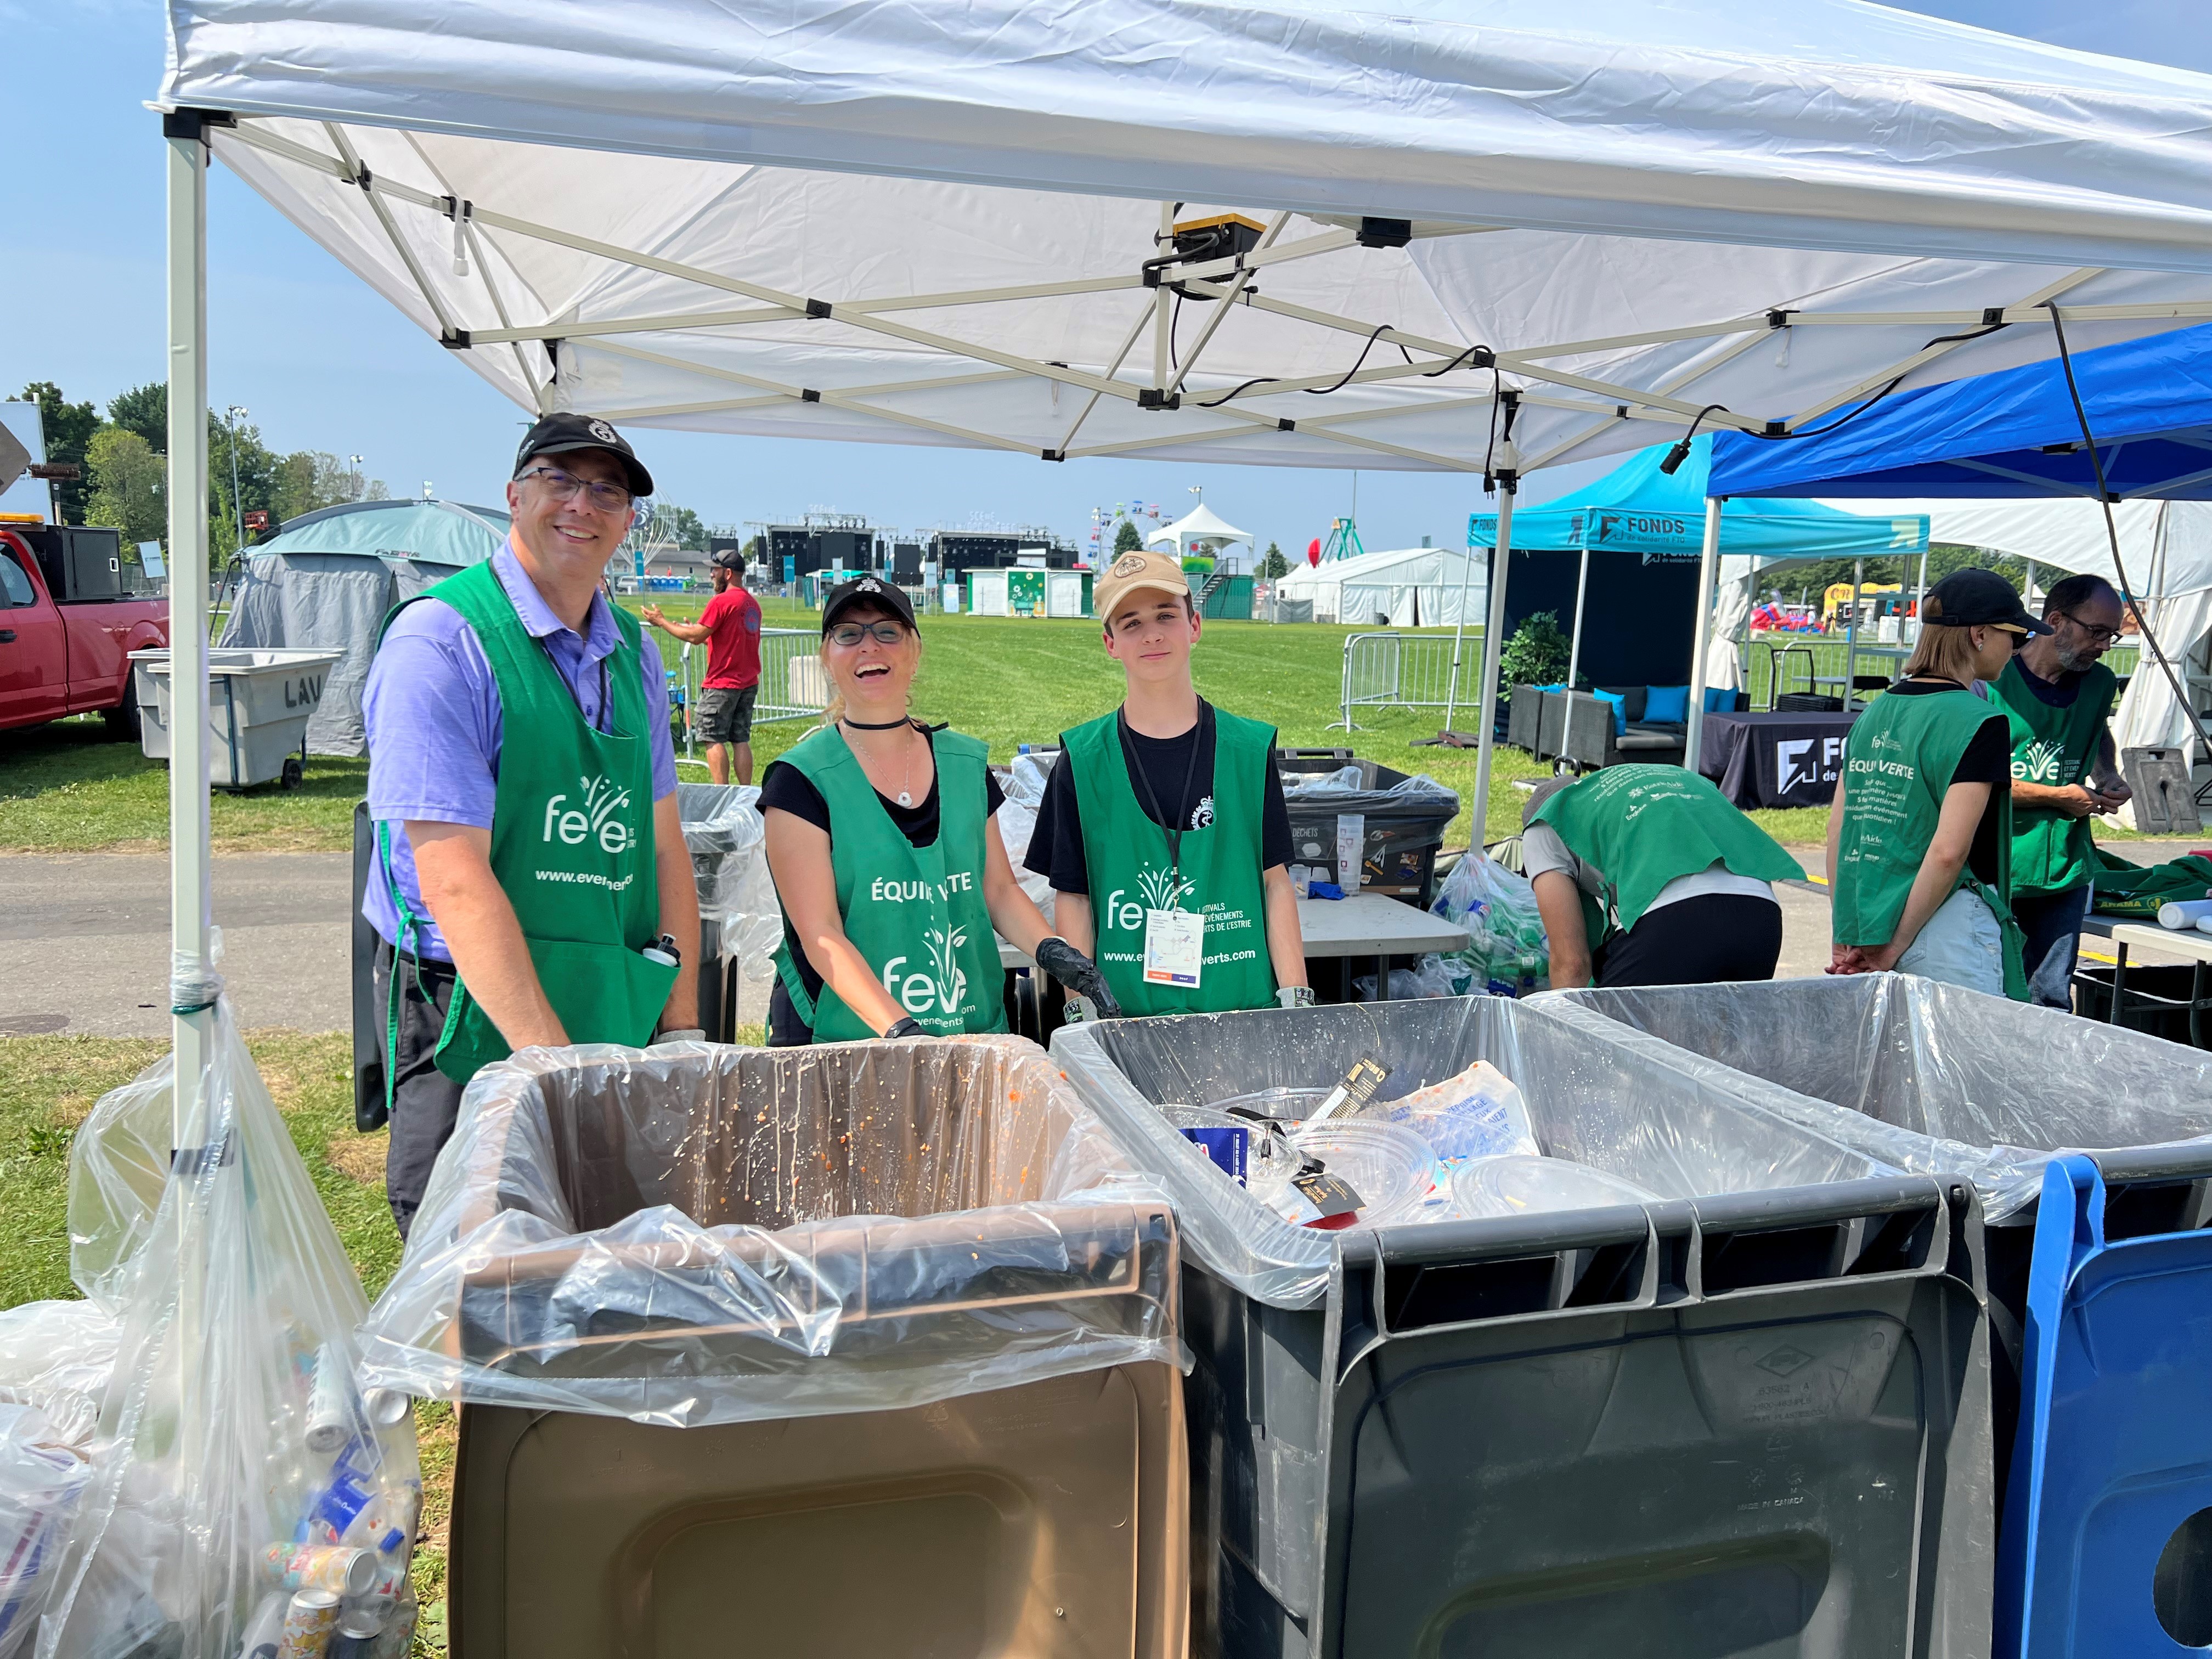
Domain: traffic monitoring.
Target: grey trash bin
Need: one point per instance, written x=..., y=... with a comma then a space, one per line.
x=1749, y=1419
x=739, y=919
x=258, y=704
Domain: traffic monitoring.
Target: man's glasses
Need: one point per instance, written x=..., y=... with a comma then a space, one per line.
x=2097, y=635
x=851, y=634
x=562, y=487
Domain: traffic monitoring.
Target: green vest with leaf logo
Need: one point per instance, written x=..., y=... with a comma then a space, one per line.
x=2050, y=852
x=1125, y=862
x=915, y=914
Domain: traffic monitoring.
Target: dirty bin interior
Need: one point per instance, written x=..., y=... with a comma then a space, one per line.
x=739, y=1331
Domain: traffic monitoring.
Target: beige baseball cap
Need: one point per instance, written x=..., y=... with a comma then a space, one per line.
x=1135, y=571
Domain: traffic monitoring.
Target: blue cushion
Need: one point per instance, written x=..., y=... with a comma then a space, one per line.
x=1560, y=687
x=1719, y=700
x=1619, y=711
x=1665, y=704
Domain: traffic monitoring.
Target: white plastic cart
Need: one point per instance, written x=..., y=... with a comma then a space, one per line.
x=258, y=703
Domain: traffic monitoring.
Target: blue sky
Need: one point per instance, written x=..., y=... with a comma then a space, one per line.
x=322, y=364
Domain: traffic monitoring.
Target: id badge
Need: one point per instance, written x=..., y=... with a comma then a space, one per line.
x=1175, y=947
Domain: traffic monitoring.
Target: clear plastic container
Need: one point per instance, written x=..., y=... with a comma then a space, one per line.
x=1289, y=1105
x=1478, y=1113
x=1391, y=1169
x=1486, y=1187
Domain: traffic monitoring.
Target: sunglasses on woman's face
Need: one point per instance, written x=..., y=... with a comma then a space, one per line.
x=851, y=634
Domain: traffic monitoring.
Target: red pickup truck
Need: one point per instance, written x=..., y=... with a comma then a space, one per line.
x=68, y=626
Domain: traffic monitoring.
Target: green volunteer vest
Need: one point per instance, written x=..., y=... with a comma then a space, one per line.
x=572, y=840
x=1125, y=857
x=1644, y=826
x=1898, y=763
x=2050, y=852
x=2133, y=889
x=914, y=914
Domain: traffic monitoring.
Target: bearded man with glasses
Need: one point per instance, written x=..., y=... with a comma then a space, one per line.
x=2058, y=697
x=532, y=887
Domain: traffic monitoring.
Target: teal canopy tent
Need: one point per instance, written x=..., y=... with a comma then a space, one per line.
x=327, y=580
x=1646, y=530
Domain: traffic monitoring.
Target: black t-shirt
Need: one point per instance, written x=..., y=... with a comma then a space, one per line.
x=2058, y=694
x=1988, y=760
x=1056, y=844
x=787, y=788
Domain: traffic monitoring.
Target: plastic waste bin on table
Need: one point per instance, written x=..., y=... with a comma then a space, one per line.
x=2100, y=1261
x=865, y=1348
x=259, y=705
x=1748, y=1417
x=1403, y=818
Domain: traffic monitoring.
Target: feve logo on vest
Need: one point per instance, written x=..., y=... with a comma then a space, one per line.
x=594, y=819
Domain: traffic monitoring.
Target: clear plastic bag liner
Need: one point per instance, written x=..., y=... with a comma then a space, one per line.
x=1611, y=1098
x=234, y=1362
x=42, y=1478
x=702, y=1234
x=58, y=1355
x=1342, y=790
x=1931, y=1078
x=728, y=843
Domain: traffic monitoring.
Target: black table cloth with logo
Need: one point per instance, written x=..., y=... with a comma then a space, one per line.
x=1775, y=759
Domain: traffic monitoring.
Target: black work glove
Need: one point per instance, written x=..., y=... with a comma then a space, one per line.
x=1079, y=972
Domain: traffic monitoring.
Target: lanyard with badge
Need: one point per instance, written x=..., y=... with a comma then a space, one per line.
x=1175, y=939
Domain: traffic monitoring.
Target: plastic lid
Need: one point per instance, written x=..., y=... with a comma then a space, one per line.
x=1291, y=1105
x=1487, y=1187
x=1390, y=1168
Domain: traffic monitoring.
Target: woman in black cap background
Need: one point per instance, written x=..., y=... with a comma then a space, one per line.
x=1920, y=833
x=886, y=855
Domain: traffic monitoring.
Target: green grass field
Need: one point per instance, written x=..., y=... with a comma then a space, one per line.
x=65, y=788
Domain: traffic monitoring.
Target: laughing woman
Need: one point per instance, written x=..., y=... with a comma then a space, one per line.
x=887, y=858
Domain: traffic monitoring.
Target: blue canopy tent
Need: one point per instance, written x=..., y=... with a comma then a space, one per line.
x=2016, y=436
x=328, y=578
x=2010, y=433
x=1652, y=528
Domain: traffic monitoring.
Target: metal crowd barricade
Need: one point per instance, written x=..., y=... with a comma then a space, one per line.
x=1400, y=670
x=791, y=683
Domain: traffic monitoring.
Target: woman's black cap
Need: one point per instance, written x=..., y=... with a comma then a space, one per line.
x=884, y=595
x=1979, y=598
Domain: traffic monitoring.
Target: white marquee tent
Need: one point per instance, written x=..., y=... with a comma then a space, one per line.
x=1201, y=530
x=1410, y=588
x=860, y=219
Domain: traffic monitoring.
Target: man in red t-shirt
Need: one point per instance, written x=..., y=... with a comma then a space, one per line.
x=729, y=629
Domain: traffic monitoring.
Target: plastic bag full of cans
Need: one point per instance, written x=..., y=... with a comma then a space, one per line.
x=246, y=1498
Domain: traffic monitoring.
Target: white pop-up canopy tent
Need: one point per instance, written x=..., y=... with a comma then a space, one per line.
x=1201, y=530
x=846, y=220
x=1409, y=588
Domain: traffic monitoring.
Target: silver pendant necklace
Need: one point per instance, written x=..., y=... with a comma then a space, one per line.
x=905, y=796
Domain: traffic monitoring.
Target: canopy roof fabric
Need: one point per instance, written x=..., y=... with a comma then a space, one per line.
x=430, y=532
x=1200, y=524
x=1557, y=173
x=1637, y=507
x=2014, y=432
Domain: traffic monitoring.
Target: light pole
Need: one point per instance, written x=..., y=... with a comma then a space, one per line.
x=356, y=461
x=237, y=511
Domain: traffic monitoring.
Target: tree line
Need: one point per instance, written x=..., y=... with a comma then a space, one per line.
x=123, y=455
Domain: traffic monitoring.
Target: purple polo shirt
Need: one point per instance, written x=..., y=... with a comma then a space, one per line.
x=435, y=725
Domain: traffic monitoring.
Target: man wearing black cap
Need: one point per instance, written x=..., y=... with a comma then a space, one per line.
x=1920, y=833
x=729, y=629
x=533, y=887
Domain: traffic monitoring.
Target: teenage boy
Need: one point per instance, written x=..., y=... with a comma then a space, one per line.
x=1163, y=829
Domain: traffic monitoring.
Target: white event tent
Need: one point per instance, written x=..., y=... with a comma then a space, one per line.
x=1409, y=587
x=1489, y=234
x=1201, y=530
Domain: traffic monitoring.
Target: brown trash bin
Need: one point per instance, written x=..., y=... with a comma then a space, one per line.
x=862, y=1349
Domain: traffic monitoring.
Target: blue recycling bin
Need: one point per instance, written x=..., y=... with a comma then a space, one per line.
x=2099, y=1262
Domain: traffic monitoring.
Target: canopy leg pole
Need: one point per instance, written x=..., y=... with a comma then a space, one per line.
x=191, y=979
x=1920, y=604
x=1851, y=636
x=1493, y=648
x=1701, y=644
x=1459, y=638
x=1163, y=317
x=1575, y=645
